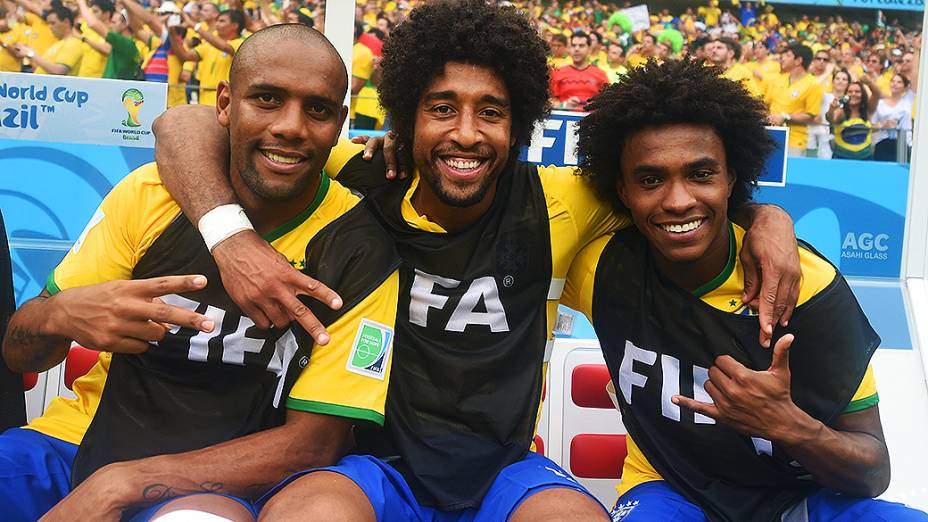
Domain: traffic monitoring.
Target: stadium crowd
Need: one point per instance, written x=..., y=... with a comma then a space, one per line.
x=853, y=93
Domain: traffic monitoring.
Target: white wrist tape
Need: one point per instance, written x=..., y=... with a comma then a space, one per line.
x=222, y=223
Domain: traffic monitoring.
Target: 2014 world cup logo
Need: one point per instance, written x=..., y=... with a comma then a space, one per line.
x=133, y=100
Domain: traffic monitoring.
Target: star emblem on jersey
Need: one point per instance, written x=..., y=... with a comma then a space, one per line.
x=370, y=351
x=732, y=303
x=620, y=511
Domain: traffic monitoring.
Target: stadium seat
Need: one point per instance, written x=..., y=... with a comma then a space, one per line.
x=80, y=360
x=30, y=379
x=597, y=455
x=539, y=445
x=588, y=386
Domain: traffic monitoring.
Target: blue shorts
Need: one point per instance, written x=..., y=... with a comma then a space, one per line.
x=35, y=473
x=391, y=498
x=658, y=501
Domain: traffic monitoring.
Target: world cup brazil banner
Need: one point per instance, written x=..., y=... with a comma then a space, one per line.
x=65, y=109
x=64, y=143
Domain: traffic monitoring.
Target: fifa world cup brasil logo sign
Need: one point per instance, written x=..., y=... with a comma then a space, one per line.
x=132, y=100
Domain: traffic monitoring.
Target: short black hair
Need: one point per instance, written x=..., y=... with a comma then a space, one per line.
x=699, y=43
x=560, y=38
x=803, y=52
x=468, y=31
x=581, y=34
x=62, y=12
x=733, y=45
x=673, y=92
x=236, y=17
x=107, y=6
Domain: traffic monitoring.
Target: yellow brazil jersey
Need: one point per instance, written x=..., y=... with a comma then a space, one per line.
x=36, y=34
x=724, y=293
x=93, y=61
x=635, y=60
x=856, y=70
x=743, y=75
x=884, y=81
x=68, y=52
x=614, y=73
x=787, y=96
x=769, y=69
x=8, y=61
x=128, y=222
x=710, y=14
x=555, y=62
x=214, y=68
x=362, y=67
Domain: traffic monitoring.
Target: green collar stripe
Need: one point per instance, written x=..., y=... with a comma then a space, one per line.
x=298, y=220
x=726, y=272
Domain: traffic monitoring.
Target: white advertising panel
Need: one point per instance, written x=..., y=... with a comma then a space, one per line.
x=66, y=109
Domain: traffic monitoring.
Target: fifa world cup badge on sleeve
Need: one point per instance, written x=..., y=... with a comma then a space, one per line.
x=370, y=352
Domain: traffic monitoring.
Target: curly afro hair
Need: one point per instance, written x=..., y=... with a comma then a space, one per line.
x=684, y=91
x=467, y=31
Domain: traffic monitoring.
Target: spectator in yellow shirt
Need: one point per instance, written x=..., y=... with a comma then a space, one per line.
x=710, y=13
x=9, y=62
x=96, y=50
x=639, y=54
x=726, y=53
x=615, y=62
x=33, y=31
x=795, y=97
x=362, y=68
x=559, y=56
x=64, y=57
x=215, y=53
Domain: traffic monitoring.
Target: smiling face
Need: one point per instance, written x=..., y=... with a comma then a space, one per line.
x=462, y=136
x=283, y=117
x=840, y=82
x=676, y=184
x=854, y=94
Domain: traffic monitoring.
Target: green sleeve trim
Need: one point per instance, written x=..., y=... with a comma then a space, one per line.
x=50, y=284
x=298, y=220
x=863, y=404
x=335, y=409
